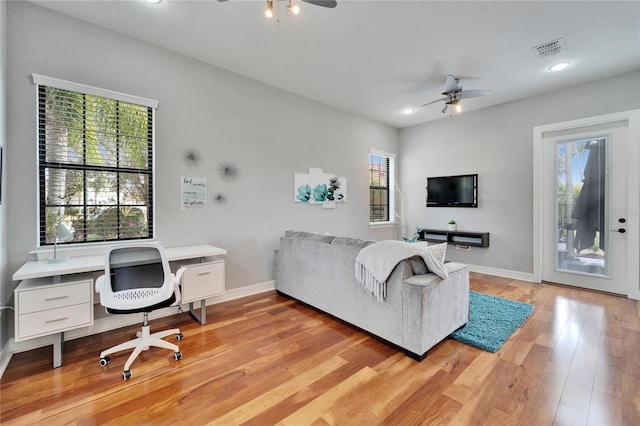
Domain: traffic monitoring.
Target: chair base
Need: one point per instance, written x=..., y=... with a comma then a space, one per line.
x=144, y=340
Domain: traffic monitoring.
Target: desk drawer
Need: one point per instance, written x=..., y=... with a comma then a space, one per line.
x=201, y=281
x=54, y=296
x=53, y=321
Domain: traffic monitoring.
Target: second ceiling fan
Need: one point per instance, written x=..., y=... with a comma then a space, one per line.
x=453, y=93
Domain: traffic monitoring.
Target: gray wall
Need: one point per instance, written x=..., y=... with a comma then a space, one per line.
x=5, y=286
x=497, y=143
x=268, y=133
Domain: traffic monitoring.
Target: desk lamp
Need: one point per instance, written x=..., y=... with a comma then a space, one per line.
x=62, y=234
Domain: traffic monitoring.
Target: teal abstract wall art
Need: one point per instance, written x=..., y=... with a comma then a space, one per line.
x=318, y=187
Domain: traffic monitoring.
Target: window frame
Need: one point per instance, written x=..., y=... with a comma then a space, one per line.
x=391, y=173
x=150, y=104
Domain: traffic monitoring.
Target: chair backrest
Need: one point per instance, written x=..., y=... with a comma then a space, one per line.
x=136, y=276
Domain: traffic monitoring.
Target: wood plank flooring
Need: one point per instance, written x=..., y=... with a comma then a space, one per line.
x=266, y=360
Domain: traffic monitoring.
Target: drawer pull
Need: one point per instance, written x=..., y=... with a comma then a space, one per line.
x=49, y=299
x=56, y=320
x=204, y=273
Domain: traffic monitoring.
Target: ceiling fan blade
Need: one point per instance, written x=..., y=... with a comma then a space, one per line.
x=437, y=100
x=323, y=3
x=466, y=94
x=451, y=85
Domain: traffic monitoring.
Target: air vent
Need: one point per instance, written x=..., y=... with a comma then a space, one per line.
x=550, y=48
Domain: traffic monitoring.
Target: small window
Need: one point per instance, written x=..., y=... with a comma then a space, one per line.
x=381, y=187
x=95, y=164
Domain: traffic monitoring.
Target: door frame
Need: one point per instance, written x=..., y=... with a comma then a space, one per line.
x=632, y=117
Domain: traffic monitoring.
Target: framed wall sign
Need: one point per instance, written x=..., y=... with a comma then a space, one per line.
x=193, y=193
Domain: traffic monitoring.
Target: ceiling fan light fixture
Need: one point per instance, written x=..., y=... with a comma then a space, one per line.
x=268, y=11
x=293, y=8
x=559, y=66
x=453, y=94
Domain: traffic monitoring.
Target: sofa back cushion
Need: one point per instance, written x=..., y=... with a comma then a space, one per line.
x=354, y=242
x=309, y=236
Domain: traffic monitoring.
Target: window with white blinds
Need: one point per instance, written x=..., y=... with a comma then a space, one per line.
x=95, y=158
x=381, y=187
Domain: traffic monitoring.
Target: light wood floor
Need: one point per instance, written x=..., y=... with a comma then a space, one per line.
x=266, y=360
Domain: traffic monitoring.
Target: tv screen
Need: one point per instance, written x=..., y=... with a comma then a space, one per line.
x=452, y=191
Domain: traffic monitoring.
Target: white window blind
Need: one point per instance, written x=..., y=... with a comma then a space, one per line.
x=95, y=158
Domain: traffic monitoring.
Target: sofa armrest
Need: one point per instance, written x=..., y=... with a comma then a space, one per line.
x=433, y=307
x=427, y=279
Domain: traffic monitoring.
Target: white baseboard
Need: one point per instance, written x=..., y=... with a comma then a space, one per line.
x=506, y=273
x=237, y=293
x=635, y=295
x=113, y=322
x=524, y=276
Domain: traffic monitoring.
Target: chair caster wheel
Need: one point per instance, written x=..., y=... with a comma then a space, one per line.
x=177, y=356
x=179, y=336
x=104, y=361
x=126, y=375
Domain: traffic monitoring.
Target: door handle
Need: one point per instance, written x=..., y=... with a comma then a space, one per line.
x=620, y=230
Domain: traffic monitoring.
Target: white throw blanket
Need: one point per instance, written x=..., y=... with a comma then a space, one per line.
x=375, y=263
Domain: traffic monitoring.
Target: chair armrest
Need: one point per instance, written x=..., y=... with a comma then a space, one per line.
x=179, y=274
x=99, y=283
x=177, y=284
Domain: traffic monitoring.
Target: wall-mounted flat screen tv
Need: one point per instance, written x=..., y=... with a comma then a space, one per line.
x=452, y=191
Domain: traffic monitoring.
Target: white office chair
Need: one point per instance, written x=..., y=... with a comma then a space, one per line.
x=137, y=278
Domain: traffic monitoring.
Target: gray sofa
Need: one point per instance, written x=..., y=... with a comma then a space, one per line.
x=419, y=311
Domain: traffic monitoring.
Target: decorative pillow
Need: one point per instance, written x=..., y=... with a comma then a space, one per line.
x=439, y=251
x=434, y=258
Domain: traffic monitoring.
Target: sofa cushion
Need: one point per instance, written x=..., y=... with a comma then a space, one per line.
x=418, y=267
x=355, y=242
x=430, y=278
x=431, y=263
x=309, y=236
x=422, y=280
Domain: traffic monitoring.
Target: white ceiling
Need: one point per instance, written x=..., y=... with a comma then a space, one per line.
x=374, y=58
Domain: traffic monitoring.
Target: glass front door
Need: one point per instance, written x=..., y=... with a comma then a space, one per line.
x=585, y=198
x=582, y=200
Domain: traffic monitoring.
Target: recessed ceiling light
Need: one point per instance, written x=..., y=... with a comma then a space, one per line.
x=408, y=111
x=559, y=66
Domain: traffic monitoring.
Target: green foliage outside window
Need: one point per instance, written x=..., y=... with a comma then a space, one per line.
x=95, y=163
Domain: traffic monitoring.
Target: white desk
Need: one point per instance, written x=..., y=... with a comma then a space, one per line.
x=80, y=264
x=48, y=298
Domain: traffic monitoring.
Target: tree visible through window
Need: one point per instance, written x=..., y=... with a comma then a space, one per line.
x=95, y=158
x=380, y=187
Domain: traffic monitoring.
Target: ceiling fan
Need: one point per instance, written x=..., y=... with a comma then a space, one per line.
x=293, y=7
x=453, y=94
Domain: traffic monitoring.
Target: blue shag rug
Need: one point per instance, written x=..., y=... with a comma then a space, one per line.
x=492, y=320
